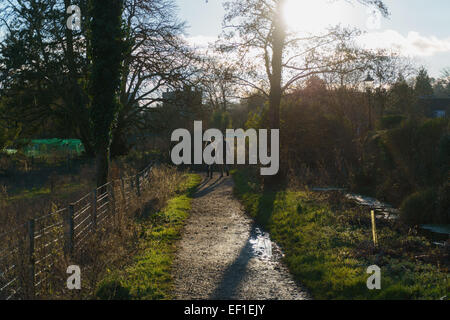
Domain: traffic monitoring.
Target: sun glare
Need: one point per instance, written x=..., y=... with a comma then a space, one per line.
x=315, y=15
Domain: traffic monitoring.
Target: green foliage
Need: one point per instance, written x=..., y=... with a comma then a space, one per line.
x=8, y=136
x=423, y=85
x=414, y=147
x=9, y=133
x=316, y=136
x=444, y=152
x=43, y=91
x=106, y=55
x=328, y=248
x=419, y=208
x=257, y=117
x=443, y=203
x=428, y=206
x=220, y=120
x=401, y=98
x=391, y=121
x=408, y=158
x=112, y=290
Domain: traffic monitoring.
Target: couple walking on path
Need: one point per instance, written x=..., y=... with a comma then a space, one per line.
x=220, y=167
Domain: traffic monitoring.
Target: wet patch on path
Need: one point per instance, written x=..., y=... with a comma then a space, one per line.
x=223, y=255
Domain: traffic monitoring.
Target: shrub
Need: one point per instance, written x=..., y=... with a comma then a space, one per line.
x=419, y=208
x=112, y=290
x=444, y=203
x=391, y=121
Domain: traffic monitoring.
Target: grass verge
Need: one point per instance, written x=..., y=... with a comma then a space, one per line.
x=328, y=248
x=148, y=277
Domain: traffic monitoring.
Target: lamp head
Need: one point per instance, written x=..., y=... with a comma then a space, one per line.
x=368, y=82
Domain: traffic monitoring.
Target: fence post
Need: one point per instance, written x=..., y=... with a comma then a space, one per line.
x=31, y=258
x=145, y=180
x=68, y=232
x=374, y=229
x=94, y=208
x=138, y=185
x=113, y=198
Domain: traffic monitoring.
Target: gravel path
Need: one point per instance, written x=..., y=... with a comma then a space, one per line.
x=222, y=255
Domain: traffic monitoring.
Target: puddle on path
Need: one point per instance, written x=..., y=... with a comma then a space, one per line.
x=262, y=247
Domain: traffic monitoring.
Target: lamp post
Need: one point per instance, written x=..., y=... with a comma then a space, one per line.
x=226, y=78
x=368, y=85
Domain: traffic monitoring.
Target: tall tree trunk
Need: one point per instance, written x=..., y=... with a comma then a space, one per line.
x=107, y=50
x=76, y=101
x=278, y=43
x=102, y=166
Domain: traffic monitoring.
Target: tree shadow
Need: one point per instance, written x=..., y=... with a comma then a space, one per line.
x=266, y=204
x=234, y=274
x=206, y=188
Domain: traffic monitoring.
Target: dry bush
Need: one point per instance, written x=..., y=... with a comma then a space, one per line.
x=114, y=244
x=165, y=181
x=111, y=244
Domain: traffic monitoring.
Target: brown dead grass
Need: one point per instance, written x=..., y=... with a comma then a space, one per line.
x=111, y=246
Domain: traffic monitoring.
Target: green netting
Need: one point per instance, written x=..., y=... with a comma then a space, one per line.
x=40, y=147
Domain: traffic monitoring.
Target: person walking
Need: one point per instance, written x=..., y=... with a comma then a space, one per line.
x=209, y=167
x=223, y=167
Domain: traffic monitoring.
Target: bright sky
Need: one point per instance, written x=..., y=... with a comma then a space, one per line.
x=417, y=28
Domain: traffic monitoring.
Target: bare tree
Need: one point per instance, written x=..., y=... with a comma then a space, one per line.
x=216, y=79
x=158, y=59
x=256, y=31
x=385, y=66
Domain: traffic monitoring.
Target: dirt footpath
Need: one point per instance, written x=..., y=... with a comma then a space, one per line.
x=222, y=255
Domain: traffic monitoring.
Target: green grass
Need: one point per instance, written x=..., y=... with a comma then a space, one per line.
x=328, y=250
x=149, y=276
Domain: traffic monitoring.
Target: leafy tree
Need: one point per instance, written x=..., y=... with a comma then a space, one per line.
x=9, y=131
x=423, y=85
x=400, y=98
x=43, y=68
x=220, y=120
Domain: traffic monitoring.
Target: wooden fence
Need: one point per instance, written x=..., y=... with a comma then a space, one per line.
x=29, y=252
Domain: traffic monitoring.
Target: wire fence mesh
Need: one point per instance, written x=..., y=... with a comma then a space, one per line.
x=28, y=252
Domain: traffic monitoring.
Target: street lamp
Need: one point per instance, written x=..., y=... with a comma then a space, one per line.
x=368, y=84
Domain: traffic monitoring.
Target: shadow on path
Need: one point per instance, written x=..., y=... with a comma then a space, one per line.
x=206, y=188
x=234, y=274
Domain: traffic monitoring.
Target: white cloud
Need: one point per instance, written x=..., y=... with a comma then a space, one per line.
x=201, y=42
x=413, y=44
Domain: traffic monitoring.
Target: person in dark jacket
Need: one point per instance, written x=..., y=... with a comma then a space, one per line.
x=223, y=167
x=209, y=167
